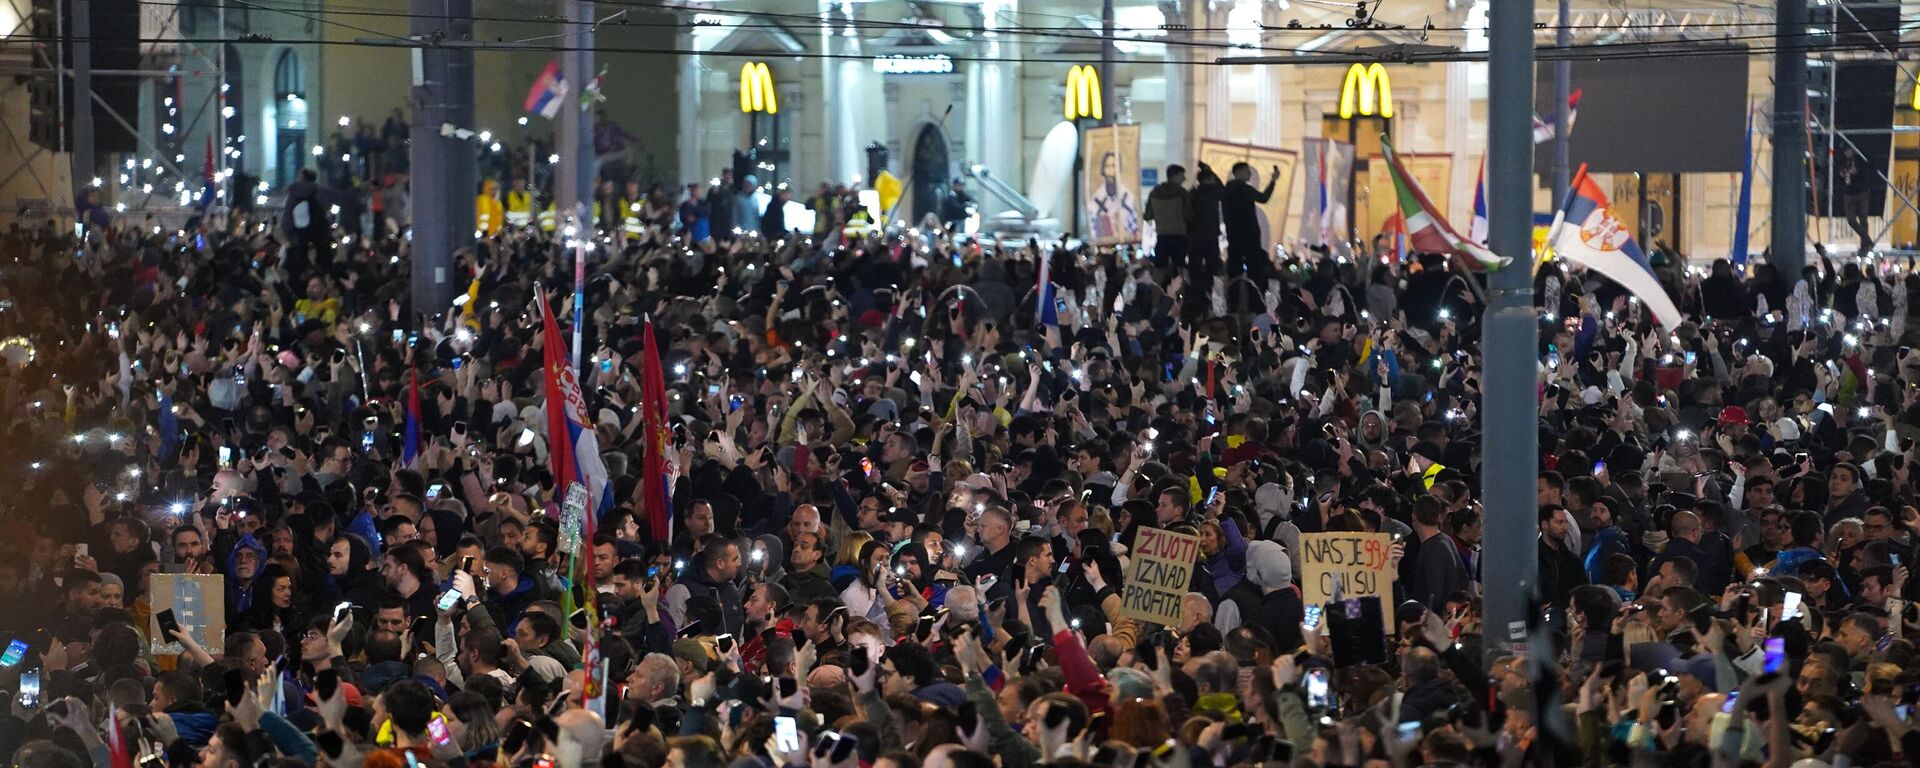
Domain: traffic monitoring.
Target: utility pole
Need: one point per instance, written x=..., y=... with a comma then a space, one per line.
x=573, y=131
x=81, y=56
x=1510, y=462
x=444, y=176
x=1789, y=129
x=1562, y=116
x=1107, y=56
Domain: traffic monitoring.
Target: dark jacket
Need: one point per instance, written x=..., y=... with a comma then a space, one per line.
x=1239, y=208
x=1280, y=612
x=806, y=585
x=1169, y=207
x=733, y=615
x=1204, y=225
x=1560, y=572
x=1437, y=572
x=512, y=604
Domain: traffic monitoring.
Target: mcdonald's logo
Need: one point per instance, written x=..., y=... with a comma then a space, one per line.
x=1366, y=92
x=1083, y=92
x=756, y=89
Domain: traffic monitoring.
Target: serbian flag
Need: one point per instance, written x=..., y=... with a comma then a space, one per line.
x=1427, y=229
x=657, y=499
x=548, y=91
x=1477, y=229
x=119, y=751
x=411, y=448
x=1543, y=130
x=1044, y=311
x=572, y=449
x=1586, y=232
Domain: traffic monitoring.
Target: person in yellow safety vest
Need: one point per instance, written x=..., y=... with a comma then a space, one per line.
x=826, y=209
x=1424, y=463
x=631, y=223
x=487, y=214
x=519, y=205
x=549, y=219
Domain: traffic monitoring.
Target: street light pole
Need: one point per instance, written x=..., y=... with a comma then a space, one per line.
x=1789, y=131
x=1510, y=569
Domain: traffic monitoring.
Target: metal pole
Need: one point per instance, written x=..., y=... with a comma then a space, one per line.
x=82, y=53
x=1833, y=95
x=1562, y=119
x=1510, y=463
x=573, y=132
x=443, y=182
x=1789, y=122
x=1107, y=56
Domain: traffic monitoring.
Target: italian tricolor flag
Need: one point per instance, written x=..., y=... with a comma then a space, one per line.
x=1428, y=231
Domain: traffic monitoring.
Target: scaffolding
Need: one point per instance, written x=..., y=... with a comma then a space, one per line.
x=67, y=60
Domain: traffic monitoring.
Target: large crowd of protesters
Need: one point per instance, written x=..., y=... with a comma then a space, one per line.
x=902, y=505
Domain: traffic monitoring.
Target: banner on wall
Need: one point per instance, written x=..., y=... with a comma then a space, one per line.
x=1221, y=155
x=1329, y=169
x=1110, y=183
x=1433, y=171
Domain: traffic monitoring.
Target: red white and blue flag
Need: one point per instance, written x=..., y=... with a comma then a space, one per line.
x=411, y=448
x=1586, y=232
x=1044, y=311
x=1477, y=229
x=548, y=92
x=572, y=449
x=1543, y=130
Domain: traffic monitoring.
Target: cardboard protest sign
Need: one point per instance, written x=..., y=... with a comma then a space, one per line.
x=1158, y=575
x=1337, y=566
x=199, y=603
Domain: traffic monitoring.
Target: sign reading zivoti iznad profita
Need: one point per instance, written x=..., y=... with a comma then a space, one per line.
x=1158, y=575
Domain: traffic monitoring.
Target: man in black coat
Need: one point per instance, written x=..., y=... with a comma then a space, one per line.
x=1240, y=210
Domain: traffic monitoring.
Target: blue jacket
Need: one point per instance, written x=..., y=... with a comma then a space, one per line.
x=195, y=728
x=1606, y=541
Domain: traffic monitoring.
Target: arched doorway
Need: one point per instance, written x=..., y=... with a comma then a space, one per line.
x=930, y=169
x=289, y=117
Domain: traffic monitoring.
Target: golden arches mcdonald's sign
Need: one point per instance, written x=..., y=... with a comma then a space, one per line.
x=1366, y=92
x=1083, y=92
x=756, y=89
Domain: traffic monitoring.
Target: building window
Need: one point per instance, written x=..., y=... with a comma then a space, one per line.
x=289, y=116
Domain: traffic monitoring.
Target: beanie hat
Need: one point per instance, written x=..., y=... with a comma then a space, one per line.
x=1268, y=566
x=1428, y=450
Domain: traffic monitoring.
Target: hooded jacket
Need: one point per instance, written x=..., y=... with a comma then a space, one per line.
x=240, y=593
x=1169, y=207
x=803, y=586
x=772, y=565
x=733, y=615
x=359, y=586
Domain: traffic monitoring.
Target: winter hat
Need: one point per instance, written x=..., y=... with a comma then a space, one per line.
x=1268, y=566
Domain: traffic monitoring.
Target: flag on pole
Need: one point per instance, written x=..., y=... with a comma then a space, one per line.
x=572, y=449
x=1427, y=229
x=411, y=448
x=1586, y=232
x=1477, y=229
x=1326, y=204
x=1044, y=311
x=1543, y=130
x=1743, y=212
x=120, y=753
x=206, y=182
x=657, y=501
x=548, y=90
x=592, y=94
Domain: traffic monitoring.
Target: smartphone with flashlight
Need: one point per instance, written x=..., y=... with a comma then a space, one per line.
x=786, y=735
x=1790, y=606
x=1319, y=695
x=437, y=730
x=16, y=651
